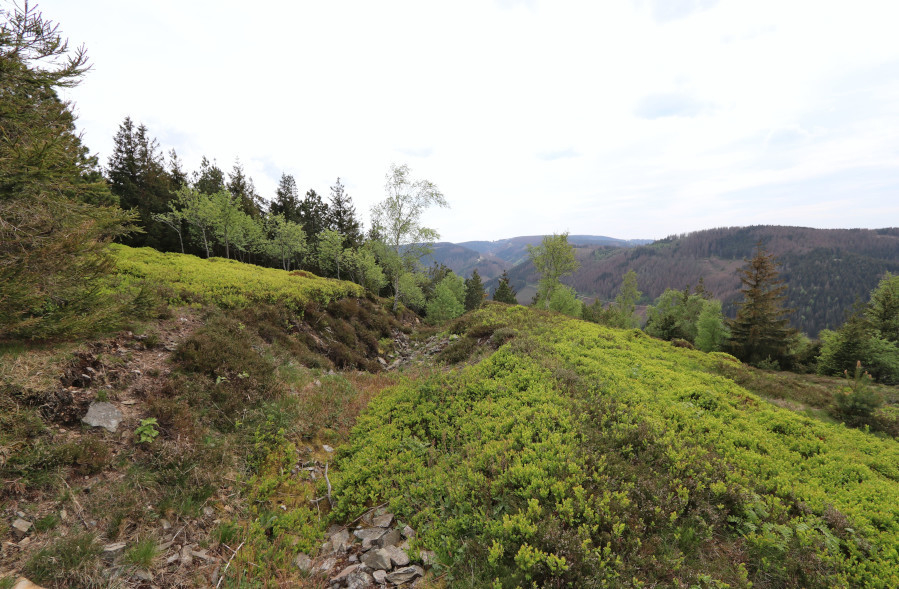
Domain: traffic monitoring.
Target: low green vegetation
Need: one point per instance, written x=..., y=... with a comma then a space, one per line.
x=578, y=455
x=225, y=283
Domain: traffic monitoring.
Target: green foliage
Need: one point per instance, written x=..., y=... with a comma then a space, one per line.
x=883, y=308
x=564, y=300
x=288, y=239
x=864, y=338
x=553, y=259
x=711, y=328
x=474, y=291
x=56, y=214
x=142, y=553
x=857, y=402
x=504, y=292
x=396, y=223
x=448, y=300
x=577, y=454
x=147, y=431
x=761, y=329
x=226, y=283
x=67, y=561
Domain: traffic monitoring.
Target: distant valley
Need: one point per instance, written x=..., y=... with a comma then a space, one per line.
x=825, y=270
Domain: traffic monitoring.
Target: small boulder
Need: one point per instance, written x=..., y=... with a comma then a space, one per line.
x=370, y=533
x=23, y=583
x=377, y=559
x=358, y=580
x=382, y=521
x=405, y=574
x=408, y=532
x=20, y=528
x=341, y=577
x=303, y=562
x=112, y=551
x=391, y=538
x=397, y=556
x=104, y=415
x=340, y=540
x=380, y=577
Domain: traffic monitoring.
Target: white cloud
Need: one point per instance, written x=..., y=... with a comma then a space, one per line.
x=631, y=120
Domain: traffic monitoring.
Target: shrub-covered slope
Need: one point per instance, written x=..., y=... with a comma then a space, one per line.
x=576, y=455
x=226, y=283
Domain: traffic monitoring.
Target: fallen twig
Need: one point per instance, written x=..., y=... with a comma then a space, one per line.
x=222, y=578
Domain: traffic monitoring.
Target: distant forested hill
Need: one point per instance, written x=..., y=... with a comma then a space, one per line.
x=492, y=257
x=826, y=270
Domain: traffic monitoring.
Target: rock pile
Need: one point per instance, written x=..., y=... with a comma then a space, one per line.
x=376, y=553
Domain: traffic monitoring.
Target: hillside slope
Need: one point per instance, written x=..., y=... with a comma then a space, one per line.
x=575, y=455
x=825, y=270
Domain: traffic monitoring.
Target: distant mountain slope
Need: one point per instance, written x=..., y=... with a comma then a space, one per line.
x=492, y=257
x=826, y=270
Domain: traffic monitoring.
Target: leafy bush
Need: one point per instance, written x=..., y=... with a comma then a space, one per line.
x=857, y=402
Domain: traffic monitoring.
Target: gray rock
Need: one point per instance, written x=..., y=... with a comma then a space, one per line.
x=358, y=580
x=382, y=521
x=382, y=361
x=113, y=551
x=342, y=575
x=408, y=532
x=397, y=556
x=327, y=565
x=20, y=528
x=428, y=557
x=327, y=448
x=380, y=577
x=377, y=559
x=405, y=574
x=370, y=533
x=143, y=575
x=104, y=415
x=391, y=538
x=303, y=562
x=340, y=540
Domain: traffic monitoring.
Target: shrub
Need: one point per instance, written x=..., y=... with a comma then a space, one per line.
x=857, y=402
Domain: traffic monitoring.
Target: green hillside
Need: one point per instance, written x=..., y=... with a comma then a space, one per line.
x=263, y=410
x=577, y=455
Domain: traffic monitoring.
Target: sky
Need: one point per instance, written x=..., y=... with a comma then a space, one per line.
x=631, y=119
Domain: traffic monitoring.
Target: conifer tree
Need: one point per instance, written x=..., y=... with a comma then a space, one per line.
x=761, y=330
x=137, y=175
x=209, y=179
x=474, y=291
x=313, y=215
x=243, y=189
x=287, y=199
x=55, y=213
x=342, y=216
x=504, y=292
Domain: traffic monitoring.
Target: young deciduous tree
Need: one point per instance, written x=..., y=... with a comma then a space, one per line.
x=448, y=300
x=623, y=313
x=761, y=329
x=287, y=239
x=330, y=251
x=397, y=222
x=553, y=259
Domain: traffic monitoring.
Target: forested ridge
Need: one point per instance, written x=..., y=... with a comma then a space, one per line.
x=826, y=270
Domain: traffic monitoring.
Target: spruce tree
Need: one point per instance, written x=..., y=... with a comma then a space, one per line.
x=474, y=291
x=209, y=179
x=504, y=292
x=313, y=216
x=242, y=187
x=137, y=175
x=287, y=199
x=342, y=216
x=55, y=213
x=761, y=330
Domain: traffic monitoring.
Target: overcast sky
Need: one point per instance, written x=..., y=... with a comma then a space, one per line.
x=630, y=119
